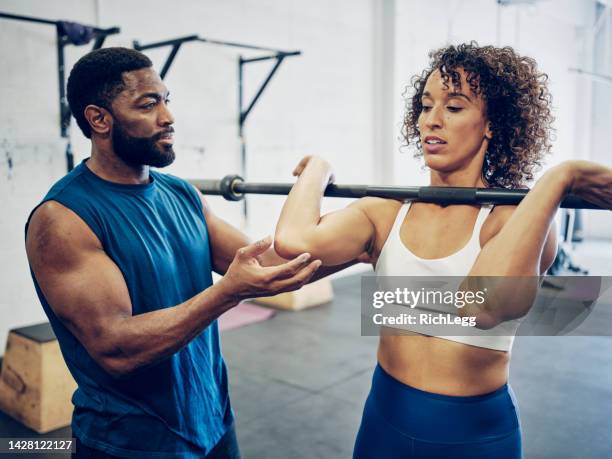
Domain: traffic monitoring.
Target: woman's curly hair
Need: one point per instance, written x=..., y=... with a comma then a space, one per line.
x=517, y=105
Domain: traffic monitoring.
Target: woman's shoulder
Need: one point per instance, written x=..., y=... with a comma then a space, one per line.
x=382, y=213
x=377, y=208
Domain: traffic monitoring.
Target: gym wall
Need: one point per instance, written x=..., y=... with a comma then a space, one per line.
x=341, y=98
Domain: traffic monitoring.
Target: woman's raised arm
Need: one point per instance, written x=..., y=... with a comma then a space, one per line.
x=335, y=238
x=523, y=242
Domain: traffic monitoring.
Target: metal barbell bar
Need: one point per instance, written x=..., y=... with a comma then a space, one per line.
x=233, y=188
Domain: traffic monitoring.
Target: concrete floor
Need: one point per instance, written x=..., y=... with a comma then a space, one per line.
x=299, y=381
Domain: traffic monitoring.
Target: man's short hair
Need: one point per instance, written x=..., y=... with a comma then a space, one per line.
x=97, y=78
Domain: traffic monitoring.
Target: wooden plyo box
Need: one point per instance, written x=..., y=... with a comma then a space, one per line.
x=309, y=295
x=35, y=384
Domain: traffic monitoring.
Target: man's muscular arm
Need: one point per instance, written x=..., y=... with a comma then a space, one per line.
x=88, y=293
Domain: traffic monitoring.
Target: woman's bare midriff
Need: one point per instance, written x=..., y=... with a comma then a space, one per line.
x=441, y=366
x=429, y=363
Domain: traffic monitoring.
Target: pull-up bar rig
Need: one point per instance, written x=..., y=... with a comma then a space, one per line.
x=243, y=109
x=67, y=33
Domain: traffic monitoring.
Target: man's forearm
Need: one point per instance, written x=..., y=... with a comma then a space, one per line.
x=146, y=339
x=325, y=271
x=271, y=258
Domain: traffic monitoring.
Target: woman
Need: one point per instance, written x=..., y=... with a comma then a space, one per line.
x=481, y=118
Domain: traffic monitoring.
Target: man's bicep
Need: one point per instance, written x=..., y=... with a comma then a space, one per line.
x=83, y=286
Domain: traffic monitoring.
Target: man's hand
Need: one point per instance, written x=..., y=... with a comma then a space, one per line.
x=247, y=278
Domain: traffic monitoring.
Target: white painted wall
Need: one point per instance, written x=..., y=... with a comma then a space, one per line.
x=599, y=116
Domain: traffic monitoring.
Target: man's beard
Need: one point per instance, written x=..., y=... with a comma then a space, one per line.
x=141, y=151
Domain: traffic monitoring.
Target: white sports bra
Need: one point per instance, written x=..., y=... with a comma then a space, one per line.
x=396, y=260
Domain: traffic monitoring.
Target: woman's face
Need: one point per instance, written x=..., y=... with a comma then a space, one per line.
x=453, y=126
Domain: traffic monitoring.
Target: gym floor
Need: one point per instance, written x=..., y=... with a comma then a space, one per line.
x=299, y=381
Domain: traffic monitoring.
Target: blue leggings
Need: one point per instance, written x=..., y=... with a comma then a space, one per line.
x=401, y=422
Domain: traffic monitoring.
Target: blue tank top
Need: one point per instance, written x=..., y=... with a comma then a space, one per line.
x=157, y=235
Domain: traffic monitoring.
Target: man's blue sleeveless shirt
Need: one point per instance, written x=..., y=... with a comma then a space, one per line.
x=156, y=234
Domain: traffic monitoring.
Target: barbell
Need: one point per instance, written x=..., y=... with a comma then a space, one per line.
x=233, y=188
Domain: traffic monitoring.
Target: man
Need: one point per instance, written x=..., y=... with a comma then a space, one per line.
x=121, y=258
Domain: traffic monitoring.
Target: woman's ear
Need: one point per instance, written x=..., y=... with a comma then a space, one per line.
x=99, y=119
x=488, y=131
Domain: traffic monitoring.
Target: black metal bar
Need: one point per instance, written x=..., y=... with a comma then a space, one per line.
x=27, y=18
x=234, y=188
x=259, y=59
x=174, y=41
x=159, y=44
x=109, y=31
x=102, y=36
x=69, y=157
x=99, y=42
x=274, y=56
x=245, y=114
x=64, y=111
x=245, y=210
x=239, y=45
x=240, y=95
x=169, y=60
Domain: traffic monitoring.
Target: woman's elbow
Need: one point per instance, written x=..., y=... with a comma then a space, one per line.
x=290, y=245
